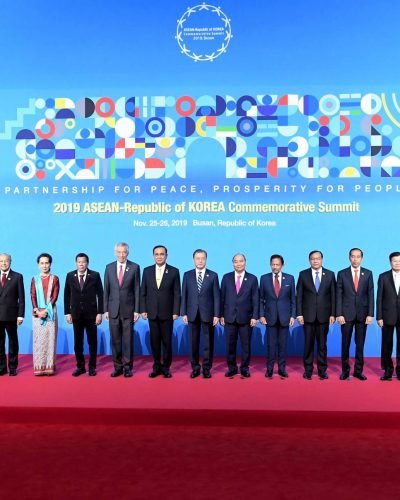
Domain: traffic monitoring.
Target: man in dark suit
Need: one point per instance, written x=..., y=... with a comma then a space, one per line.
x=200, y=309
x=354, y=309
x=278, y=312
x=388, y=315
x=121, y=304
x=239, y=313
x=160, y=301
x=83, y=307
x=316, y=312
x=12, y=310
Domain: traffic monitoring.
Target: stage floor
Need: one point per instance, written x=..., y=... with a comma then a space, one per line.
x=200, y=399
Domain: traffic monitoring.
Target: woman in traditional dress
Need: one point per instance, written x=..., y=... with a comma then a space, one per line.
x=44, y=293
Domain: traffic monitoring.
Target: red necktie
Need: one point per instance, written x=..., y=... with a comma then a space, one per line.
x=277, y=286
x=3, y=280
x=120, y=275
x=355, y=279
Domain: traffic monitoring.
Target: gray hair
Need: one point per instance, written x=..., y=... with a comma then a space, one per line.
x=121, y=244
x=237, y=255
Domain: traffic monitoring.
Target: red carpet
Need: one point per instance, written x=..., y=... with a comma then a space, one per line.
x=180, y=438
x=182, y=393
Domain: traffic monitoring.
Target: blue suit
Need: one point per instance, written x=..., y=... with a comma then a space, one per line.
x=238, y=309
x=277, y=311
x=200, y=309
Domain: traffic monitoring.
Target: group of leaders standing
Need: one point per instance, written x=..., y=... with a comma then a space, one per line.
x=317, y=302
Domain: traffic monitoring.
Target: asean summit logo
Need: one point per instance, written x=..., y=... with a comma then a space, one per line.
x=203, y=32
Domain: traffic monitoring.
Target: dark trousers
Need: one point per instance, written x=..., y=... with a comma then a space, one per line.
x=13, y=347
x=277, y=338
x=387, y=348
x=121, y=342
x=80, y=325
x=232, y=332
x=360, y=331
x=195, y=328
x=161, y=342
x=315, y=332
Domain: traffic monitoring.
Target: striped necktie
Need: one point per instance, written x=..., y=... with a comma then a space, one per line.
x=199, y=281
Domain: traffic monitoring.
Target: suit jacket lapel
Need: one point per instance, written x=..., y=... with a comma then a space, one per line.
x=88, y=278
x=391, y=280
x=244, y=284
x=349, y=277
x=310, y=278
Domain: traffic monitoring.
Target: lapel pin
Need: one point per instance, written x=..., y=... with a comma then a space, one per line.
x=166, y=271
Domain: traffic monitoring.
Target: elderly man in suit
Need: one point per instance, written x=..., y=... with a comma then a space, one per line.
x=316, y=288
x=239, y=313
x=354, y=310
x=121, y=305
x=12, y=310
x=388, y=315
x=160, y=302
x=277, y=312
x=200, y=309
x=83, y=307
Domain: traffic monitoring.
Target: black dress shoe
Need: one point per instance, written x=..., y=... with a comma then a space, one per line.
x=269, y=373
x=92, y=372
x=13, y=372
x=307, y=375
x=155, y=373
x=360, y=376
x=283, y=373
x=128, y=373
x=323, y=376
x=206, y=373
x=195, y=373
x=78, y=371
x=167, y=374
x=344, y=376
x=3, y=372
x=386, y=376
x=116, y=373
x=245, y=373
x=232, y=372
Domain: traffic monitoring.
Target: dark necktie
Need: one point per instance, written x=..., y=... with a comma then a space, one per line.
x=3, y=279
x=277, y=286
x=199, y=282
x=81, y=281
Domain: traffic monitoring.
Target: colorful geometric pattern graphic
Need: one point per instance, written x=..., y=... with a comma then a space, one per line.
x=261, y=136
